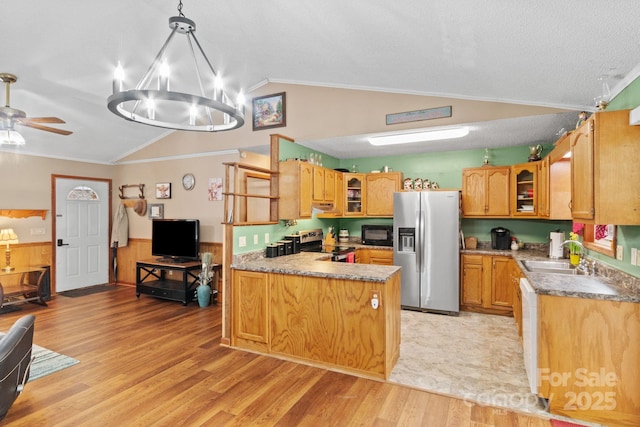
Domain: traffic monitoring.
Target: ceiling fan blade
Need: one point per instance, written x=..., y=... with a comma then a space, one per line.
x=46, y=128
x=41, y=120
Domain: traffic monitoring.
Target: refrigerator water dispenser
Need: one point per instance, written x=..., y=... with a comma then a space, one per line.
x=406, y=240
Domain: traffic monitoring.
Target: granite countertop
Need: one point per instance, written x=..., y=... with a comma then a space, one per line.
x=317, y=265
x=607, y=284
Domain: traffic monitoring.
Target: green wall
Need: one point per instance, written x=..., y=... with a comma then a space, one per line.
x=445, y=168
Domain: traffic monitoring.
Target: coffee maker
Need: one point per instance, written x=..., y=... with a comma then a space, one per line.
x=500, y=238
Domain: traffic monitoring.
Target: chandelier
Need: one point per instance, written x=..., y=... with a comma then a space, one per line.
x=203, y=106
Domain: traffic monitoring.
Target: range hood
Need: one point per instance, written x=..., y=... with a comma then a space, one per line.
x=322, y=208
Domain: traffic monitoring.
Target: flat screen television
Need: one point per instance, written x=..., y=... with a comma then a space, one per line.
x=175, y=240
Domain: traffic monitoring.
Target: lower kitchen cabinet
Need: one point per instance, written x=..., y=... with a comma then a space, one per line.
x=486, y=284
x=250, y=297
x=375, y=256
x=516, y=274
x=323, y=321
x=588, y=359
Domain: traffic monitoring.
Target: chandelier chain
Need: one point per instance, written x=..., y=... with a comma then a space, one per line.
x=180, y=8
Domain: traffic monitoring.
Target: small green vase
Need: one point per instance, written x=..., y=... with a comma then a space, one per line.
x=204, y=295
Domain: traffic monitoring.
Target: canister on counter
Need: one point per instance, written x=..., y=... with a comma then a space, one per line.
x=280, y=248
x=288, y=246
x=271, y=251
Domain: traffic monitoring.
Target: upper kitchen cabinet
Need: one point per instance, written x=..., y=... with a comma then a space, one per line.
x=355, y=195
x=324, y=185
x=524, y=197
x=295, y=189
x=604, y=170
x=380, y=188
x=485, y=191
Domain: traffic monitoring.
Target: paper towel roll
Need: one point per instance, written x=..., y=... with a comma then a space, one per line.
x=555, y=244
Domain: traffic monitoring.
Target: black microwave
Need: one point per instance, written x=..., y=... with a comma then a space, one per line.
x=377, y=235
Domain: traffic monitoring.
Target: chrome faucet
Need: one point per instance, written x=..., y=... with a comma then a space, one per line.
x=589, y=267
x=576, y=242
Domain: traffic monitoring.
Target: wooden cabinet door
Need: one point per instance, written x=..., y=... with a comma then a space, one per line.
x=338, y=203
x=543, y=188
x=305, y=189
x=250, y=296
x=473, y=192
x=318, y=184
x=582, y=201
x=329, y=185
x=501, y=283
x=485, y=191
x=354, y=196
x=471, y=280
x=516, y=274
x=497, y=192
x=380, y=188
x=380, y=256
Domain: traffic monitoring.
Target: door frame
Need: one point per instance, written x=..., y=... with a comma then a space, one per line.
x=55, y=177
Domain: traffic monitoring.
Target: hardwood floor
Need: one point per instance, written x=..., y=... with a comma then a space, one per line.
x=149, y=362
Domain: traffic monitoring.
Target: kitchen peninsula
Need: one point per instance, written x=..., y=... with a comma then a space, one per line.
x=303, y=307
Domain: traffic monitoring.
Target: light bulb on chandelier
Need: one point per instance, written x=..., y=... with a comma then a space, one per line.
x=193, y=109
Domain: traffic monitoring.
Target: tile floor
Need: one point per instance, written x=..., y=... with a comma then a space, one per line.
x=474, y=356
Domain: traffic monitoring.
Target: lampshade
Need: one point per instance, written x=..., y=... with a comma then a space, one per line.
x=8, y=236
x=11, y=137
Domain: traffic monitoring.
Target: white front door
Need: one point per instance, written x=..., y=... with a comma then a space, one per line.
x=82, y=233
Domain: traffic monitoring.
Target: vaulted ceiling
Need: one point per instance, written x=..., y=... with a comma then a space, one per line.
x=544, y=53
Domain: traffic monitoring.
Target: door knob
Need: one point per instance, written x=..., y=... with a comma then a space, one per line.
x=62, y=244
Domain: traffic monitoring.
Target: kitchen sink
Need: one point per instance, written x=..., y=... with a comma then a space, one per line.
x=558, y=267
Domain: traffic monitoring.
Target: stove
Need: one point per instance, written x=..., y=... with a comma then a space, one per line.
x=312, y=241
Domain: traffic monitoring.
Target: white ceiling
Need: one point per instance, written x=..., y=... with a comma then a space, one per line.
x=547, y=53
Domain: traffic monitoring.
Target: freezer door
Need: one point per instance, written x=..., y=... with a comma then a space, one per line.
x=440, y=254
x=406, y=207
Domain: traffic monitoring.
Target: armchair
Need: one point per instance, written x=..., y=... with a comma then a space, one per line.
x=15, y=361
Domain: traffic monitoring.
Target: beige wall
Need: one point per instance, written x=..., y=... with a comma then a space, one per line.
x=182, y=204
x=26, y=184
x=315, y=112
x=312, y=112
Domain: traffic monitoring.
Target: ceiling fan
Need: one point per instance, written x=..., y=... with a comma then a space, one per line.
x=9, y=117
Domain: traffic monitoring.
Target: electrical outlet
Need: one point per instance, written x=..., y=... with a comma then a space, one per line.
x=375, y=299
x=619, y=253
x=266, y=237
x=242, y=241
x=40, y=231
x=634, y=256
x=255, y=239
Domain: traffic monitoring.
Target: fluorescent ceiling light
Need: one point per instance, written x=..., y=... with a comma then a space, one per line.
x=429, y=135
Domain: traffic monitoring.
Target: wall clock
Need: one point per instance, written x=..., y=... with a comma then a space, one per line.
x=188, y=181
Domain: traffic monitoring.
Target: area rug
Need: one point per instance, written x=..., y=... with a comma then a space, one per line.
x=74, y=293
x=47, y=362
x=9, y=309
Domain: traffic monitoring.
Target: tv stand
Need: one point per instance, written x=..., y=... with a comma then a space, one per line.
x=151, y=279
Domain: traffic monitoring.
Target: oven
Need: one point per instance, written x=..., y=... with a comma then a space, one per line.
x=377, y=235
x=311, y=241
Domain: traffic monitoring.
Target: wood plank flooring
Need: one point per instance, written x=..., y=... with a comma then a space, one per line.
x=149, y=362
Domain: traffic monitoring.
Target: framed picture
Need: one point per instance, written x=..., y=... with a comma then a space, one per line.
x=215, y=189
x=270, y=111
x=156, y=211
x=163, y=190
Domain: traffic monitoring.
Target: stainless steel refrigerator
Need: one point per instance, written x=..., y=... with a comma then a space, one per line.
x=426, y=231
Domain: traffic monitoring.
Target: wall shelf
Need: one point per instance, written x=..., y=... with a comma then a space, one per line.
x=23, y=213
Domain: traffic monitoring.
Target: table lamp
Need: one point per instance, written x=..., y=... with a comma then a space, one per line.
x=8, y=236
